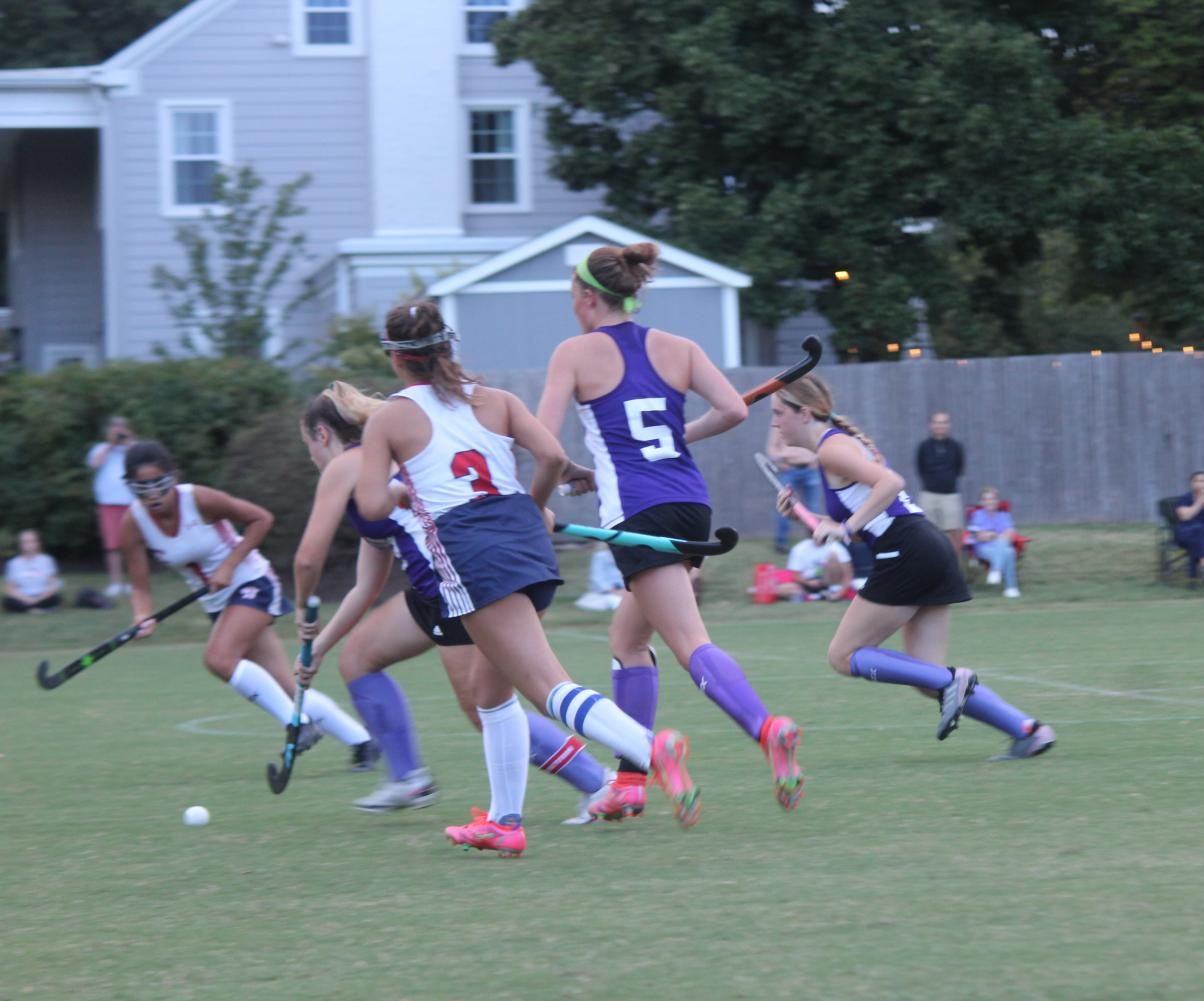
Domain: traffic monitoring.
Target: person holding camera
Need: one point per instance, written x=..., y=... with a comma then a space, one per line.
x=113, y=497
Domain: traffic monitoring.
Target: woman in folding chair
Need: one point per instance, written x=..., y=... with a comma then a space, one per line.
x=993, y=535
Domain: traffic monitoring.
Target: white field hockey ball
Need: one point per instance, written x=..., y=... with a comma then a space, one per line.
x=196, y=816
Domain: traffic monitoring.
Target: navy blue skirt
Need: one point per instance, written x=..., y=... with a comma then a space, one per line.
x=490, y=548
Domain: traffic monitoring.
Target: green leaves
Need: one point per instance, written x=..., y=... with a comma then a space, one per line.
x=791, y=142
x=235, y=260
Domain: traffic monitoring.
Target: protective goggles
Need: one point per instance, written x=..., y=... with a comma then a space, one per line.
x=152, y=488
x=440, y=337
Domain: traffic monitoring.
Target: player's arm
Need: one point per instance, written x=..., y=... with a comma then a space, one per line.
x=558, y=388
x=334, y=488
x=137, y=568
x=372, y=495
x=551, y=462
x=216, y=505
x=372, y=567
x=727, y=406
x=843, y=457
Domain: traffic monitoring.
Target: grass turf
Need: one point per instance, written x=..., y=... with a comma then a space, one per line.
x=912, y=869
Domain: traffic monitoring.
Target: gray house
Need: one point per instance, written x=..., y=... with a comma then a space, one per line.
x=429, y=167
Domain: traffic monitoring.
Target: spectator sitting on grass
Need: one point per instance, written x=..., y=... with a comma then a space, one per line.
x=31, y=579
x=817, y=571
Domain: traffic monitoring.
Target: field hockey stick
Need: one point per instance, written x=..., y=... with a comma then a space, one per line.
x=812, y=351
x=725, y=540
x=48, y=680
x=278, y=777
x=765, y=464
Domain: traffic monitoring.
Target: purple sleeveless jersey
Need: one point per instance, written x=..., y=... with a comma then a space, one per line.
x=421, y=574
x=843, y=502
x=636, y=435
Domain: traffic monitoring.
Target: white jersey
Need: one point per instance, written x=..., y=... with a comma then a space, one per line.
x=198, y=548
x=463, y=460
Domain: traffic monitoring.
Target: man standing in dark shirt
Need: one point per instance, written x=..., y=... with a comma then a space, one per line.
x=940, y=460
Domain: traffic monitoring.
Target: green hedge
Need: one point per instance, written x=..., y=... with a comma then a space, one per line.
x=197, y=407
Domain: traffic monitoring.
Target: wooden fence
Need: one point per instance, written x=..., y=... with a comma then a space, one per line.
x=1066, y=438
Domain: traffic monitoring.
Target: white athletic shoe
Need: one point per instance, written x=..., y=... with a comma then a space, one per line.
x=994, y=577
x=594, y=601
x=115, y=590
x=415, y=791
x=1011, y=592
x=583, y=816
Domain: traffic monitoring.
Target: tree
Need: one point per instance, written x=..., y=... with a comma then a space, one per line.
x=236, y=259
x=74, y=32
x=792, y=143
x=934, y=150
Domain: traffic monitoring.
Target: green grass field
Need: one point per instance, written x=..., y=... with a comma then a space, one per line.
x=912, y=869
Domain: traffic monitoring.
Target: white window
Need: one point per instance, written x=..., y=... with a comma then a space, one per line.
x=194, y=142
x=327, y=27
x=481, y=15
x=497, y=158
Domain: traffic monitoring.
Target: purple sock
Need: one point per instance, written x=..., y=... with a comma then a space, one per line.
x=722, y=681
x=636, y=691
x=987, y=707
x=382, y=706
x=893, y=668
x=563, y=754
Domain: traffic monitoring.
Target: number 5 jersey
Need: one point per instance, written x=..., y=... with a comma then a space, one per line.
x=636, y=435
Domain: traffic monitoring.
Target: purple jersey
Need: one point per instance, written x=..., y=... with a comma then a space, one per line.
x=636, y=434
x=843, y=502
x=394, y=532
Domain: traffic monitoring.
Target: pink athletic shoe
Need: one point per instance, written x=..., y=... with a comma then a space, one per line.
x=780, y=738
x=484, y=834
x=669, y=750
x=621, y=797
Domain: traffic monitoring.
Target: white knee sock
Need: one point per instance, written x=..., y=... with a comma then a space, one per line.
x=507, y=739
x=324, y=711
x=254, y=684
x=597, y=718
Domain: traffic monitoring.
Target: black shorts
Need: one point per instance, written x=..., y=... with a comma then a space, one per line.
x=914, y=564
x=674, y=521
x=428, y=614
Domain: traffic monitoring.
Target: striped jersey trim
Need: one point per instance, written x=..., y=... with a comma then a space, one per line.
x=451, y=587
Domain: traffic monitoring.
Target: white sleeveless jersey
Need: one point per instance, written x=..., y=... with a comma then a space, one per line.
x=197, y=548
x=463, y=460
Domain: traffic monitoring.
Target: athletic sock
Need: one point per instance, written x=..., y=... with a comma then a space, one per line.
x=324, y=711
x=382, y=706
x=597, y=718
x=563, y=754
x=987, y=707
x=255, y=685
x=722, y=681
x=636, y=691
x=894, y=668
x=507, y=740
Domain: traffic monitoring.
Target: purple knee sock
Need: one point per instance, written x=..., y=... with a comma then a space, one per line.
x=636, y=691
x=563, y=754
x=987, y=707
x=894, y=668
x=722, y=681
x=382, y=706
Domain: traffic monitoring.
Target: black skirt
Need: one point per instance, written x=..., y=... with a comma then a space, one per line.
x=678, y=520
x=914, y=564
